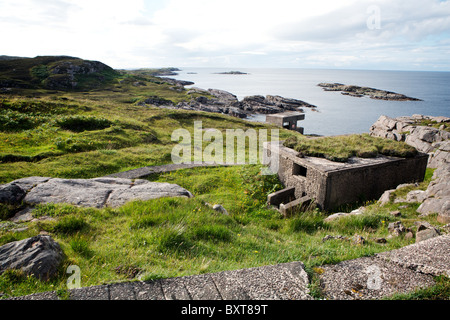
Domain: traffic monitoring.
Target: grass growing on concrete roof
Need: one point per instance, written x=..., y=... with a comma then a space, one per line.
x=341, y=148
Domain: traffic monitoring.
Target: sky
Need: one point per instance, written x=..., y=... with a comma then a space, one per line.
x=344, y=34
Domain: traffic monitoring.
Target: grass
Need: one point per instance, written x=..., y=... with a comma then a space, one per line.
x=171, y=237
x=84, y=139
x=341, y=148
x=92, y=133
x=440, y=291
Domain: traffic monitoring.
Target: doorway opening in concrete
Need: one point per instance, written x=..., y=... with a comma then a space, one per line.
x=299, y=170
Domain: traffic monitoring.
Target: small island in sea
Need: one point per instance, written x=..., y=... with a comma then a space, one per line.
x=231, y=72
x=356, y=91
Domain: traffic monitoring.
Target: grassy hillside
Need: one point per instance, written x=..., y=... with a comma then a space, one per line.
x=98, y=129
x=54, y=72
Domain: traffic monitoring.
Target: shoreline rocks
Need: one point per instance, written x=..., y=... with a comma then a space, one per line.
x=227, y=103
x=232, y=72
x=357, y=91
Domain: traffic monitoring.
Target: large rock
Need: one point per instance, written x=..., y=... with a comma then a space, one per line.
x=434, y=205
x=426, y=234
x=423, y=138
x=39, y=256
x=11, y=194
x=98, y=192
x=227, y=103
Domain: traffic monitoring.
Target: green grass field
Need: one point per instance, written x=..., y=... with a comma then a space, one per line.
x=92, y=133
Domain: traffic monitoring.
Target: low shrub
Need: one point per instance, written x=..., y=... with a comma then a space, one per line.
x=82, y=123
x=70, y=225
x=213, y=233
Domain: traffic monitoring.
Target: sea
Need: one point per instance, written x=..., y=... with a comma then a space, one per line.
x=337, y=114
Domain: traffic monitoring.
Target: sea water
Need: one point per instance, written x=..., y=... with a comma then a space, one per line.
x=337, y=113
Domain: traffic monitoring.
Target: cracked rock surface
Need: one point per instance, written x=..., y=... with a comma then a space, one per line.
x=98, y=192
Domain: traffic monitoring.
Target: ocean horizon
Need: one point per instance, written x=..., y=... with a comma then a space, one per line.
x=337, y=114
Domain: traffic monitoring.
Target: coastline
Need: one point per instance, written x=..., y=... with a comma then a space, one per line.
x=338, y=114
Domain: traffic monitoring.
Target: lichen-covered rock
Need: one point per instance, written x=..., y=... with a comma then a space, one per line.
x=39, y=256
x=428, y=139
x=98, y=192
x=426, y=234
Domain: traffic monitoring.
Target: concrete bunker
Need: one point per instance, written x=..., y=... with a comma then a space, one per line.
x=287, y=120
x=328, y=184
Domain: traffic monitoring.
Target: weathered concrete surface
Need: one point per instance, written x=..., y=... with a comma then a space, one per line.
x=351, y=280
x=397, y=271
x=98, y=192
x=283, y=281
x=430, y=256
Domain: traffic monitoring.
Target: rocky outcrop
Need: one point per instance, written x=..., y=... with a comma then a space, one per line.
x=98, y=192
x=232, y=72
x=356, y=91
x=429, y=135
x=415, y=132
x=273, y=104
x=220, y=101
x=39, y=256
x=66, y=74
x=227, y=103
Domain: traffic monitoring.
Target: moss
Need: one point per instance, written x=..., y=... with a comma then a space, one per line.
x=341, y=148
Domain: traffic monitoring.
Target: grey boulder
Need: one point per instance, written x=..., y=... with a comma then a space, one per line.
x=39, y=256
x=98, y=192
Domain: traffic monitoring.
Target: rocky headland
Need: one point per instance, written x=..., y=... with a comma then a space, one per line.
x=356, y=91
x=220, y=101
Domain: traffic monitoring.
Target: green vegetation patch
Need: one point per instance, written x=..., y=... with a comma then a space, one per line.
x=170, y=237
x=83, y=123
x=341, y=148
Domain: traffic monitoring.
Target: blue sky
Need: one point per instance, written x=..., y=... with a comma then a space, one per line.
x=349, y=34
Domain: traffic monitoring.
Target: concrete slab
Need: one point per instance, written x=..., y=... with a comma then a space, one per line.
x=148, y=290
x=39, y=296
x=369, y=278
x=90, y=293
x=122, y=291
x=288, y=280
x=174, y=289
x=229, y=285
x=201, y=287
x=278, y=282
x=431, y=256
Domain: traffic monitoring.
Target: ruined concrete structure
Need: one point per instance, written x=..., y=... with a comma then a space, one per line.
x=287, y=120
x=331, y=184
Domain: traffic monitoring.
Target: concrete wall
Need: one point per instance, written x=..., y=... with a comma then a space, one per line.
x=313, y=184
x=331, y=185
x=369, y=182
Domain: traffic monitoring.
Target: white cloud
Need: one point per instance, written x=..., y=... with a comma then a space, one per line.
x=139, y=33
